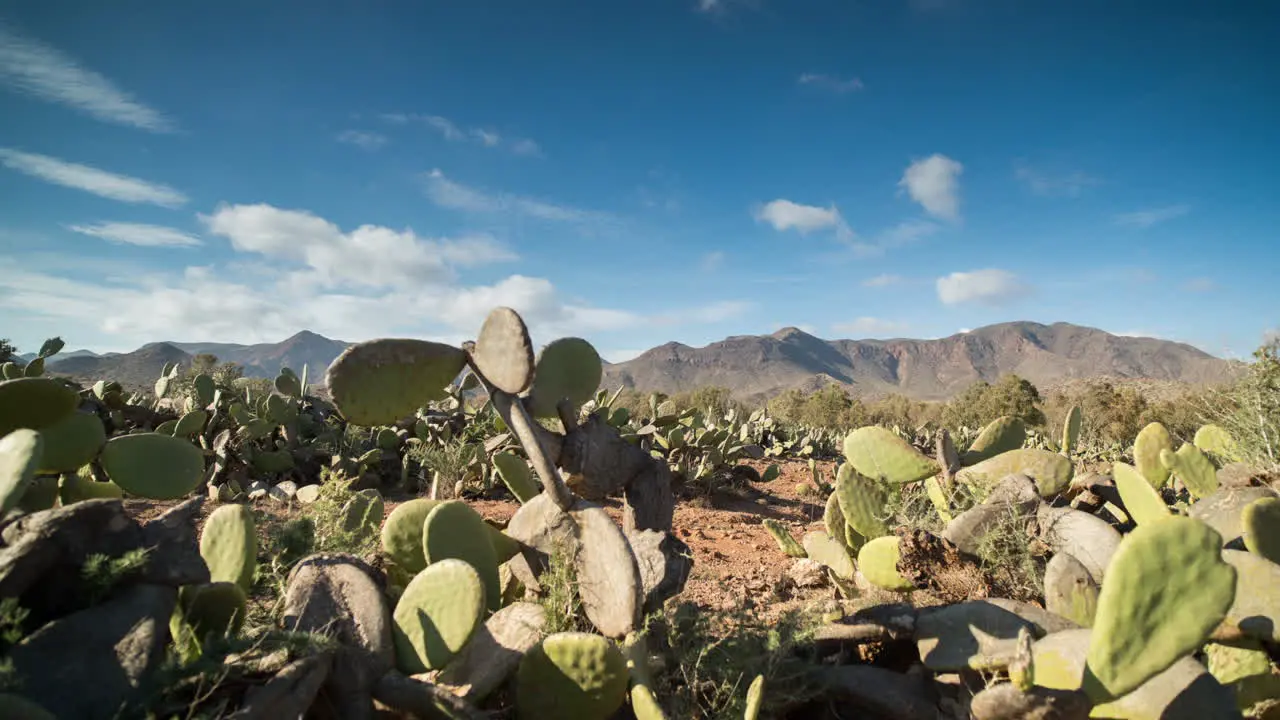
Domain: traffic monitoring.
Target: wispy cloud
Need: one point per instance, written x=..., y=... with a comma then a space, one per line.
x=138, y=234
x=1200, y=285
x=30, y=66
x=869, y=327
x=934, y=183
x=1152, y=216
x=1053, y=185
x=90, y=179
x=832, y=83
x=784, y=215
x=907, y=232
x=365, y=140
x=993, y=287
x=712, y=261
x=452, y=194
x=884, y=280
x=453, y=132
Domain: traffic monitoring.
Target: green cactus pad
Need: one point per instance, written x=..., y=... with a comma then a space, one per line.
x=1193, y=468
x=272, y=461
x=382, y=381
x=454, y=530
x=11, y=371
x=41, y=494
x=388, y=439
x=770, y=473
x=203, y=388
x=515, y=473
x=785, y=542
x=1216, y=441
x=878, y=453
x=938, y=497
x=833, y=519
x=878, y=561
x=190, y=424
x=436, y=615
x=73, y=488
x=288, y=384
x=35, y=368
x=504, y=353
x=1167, y=588
x=755, y=698
x=362, y=513
x=402, y=534
x=1261, y=520
x=215, y=609
x=863, y=501
x=1003, y=434
x=72, y=442
x=1071, y=430
x=822, y=548
x=155, y=466
x=229, y=545
x=567, y=368
x=35, y=403
x=571, y=675
x=1050, y=471
x=1141, y=501
x=16, y=707
x=1146, y=453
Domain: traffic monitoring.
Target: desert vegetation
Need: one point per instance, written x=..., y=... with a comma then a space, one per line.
x=485, y=532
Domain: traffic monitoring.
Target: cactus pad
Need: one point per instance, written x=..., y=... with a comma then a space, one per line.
x=454, y=530
x=1050, y=471
x=1261, y=520
x=382, y=381
x=780, y=535
x=938, y=497
x=755, y=698
x=1146, y=453
x=229, y=545
x=567, y=368
x=190, y=423
x=609, y=580
x=402, y=534
x=863, y=501
x=516, y=475
x=217, y=608
x=436, y=615
x=1213, y=439
x=824, y=549
x=504, y=352
x=155, y=466
x=1071, y=430
x=1167, y=588
x=1141, y=501
x=35, y=403
x=571, y=675
x=73, y=488
x=833, y=519
x=878, y=453
x=878, y=561
x=20, y=453
x=72, y=442
x=1000, y=435
x=1193, y=468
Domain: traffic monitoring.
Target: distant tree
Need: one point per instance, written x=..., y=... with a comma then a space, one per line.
x=7, y=350
x=983, y=402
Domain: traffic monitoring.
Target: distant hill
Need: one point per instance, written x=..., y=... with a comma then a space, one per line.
x=266, y=359
x=760, y=366
x=136, y=370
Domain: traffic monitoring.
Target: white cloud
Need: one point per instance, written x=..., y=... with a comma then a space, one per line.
x=486, y=138
x=621, y=356
x=445, y=126
x=785, y=215
x=364, y=140
x=712, y=261
x=987, y=287
x=452, y=194
x=965, y=331
x=138, y=234
x=89, y=179
x=934, y=183
x=453, y=132
x=30, y=66
x=884, y=280
x=869, y=327
x=1200, y=284
x=1047, y=185
x=1140, y=334
x=1152, y=216
x=525, y=146
x=833, y=83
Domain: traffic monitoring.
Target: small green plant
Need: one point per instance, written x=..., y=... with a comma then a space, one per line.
x=102, y=573
x=560, y=594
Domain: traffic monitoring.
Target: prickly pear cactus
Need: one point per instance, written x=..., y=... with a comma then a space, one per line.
x=755, y=698
x=20, y=452
x=1071, y=430
x=571, y=675
x=152, y=465
x=1167, y=588
x=217, y=608
x=1000, y=435
x=436, y=615
x=504, y=352
x=35, y=403
x=383, y=381
x=402, y=534
x=1216, y=441
x=1141, y=500
x=1193, y=468
x=515, y=473
x=1262, y=528
x=1051, y=472
x=229, y=545
x=780, y=535
x=568, y=368
x=878, y=561
x=454, y=530
x=878, y=453
x=863, y=501
x=72, y=442
x=824, y=549
x=1151, y=440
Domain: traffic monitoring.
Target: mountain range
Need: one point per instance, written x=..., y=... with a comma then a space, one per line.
x=757, y=366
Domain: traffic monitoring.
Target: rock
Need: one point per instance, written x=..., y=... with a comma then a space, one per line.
x=308, y=494
x=494, y=652
x=664, y=561
x=1185, y=691
x=1239, y=475
x=979, y=633
x=1015, y=496
x=85, y=665
x=283, y=491
x=336, y=594
x=753, y=451
x=1256, y=609
x=257, y=489
x=174, y=547
x=1006, y=702
x=289, y=694
x=806, y=573
x=1069, y=590
x=887, y=694
x=1222, y=510
x=1087, y=538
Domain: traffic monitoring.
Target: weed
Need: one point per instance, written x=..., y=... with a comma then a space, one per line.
x=102, y=573
x=453, y=461
x=560, y=594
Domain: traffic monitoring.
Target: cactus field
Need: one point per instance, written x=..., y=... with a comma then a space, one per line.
x=483, y=531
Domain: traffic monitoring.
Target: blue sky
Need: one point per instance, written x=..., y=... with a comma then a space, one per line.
x=637, y=172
